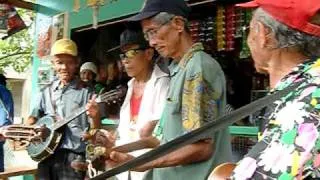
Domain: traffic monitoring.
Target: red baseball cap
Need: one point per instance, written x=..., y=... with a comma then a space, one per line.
x=296, y=14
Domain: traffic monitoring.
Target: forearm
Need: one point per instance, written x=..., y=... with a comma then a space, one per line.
x=147, y=130
x=96, y=122
x=197, y=152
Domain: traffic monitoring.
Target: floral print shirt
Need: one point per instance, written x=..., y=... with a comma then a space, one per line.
x=290, y=145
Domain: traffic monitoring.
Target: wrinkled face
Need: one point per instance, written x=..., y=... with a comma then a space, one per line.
x=65, y=66
x=136, y=60
x=257, y=42
x=163, y=37
x=87, y=75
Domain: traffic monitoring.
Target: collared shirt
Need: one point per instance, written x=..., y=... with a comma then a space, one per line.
x=62, y=102
x=196, y=96
x=6, y=107
x=290, y=144
x=151, y=107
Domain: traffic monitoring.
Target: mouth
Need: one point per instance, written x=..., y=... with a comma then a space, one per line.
x=64, y=74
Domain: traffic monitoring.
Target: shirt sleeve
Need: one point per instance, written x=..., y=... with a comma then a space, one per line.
x=162, y=87
x=201, y=99
x=38, y=108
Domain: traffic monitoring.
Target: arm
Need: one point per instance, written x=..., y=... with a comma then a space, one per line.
x=31, y=120
x=203, y=108
x=196, y=152
x=93, y=111
x=38, y=109
x=147, y=129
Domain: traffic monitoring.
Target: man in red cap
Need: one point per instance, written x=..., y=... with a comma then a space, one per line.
x=284, y=40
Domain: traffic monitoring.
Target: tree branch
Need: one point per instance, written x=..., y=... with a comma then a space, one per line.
x=14, y=54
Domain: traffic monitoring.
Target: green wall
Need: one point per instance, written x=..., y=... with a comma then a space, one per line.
x=109, y=11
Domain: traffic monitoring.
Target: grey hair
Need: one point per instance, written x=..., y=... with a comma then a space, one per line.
x=164, y=17
x=287, y=37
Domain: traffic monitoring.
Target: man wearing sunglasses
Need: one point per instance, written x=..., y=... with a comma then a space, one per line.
x=197, y=95
x=146, y=95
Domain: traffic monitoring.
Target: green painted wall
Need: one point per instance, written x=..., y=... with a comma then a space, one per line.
x=109, y=11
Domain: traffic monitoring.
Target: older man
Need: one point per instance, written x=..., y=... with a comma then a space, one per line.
x=60, y=99
x=284, y=40
x=196, y=95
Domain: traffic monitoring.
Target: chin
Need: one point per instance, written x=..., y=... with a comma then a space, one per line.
x=261, y=70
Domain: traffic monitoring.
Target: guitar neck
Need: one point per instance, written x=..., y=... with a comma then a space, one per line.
x=65, y=121
x=105, y=97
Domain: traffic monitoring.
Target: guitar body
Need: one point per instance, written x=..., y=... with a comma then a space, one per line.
x=222, y=172
x=40, y=150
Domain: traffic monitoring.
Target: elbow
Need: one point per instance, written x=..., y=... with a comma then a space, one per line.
x=206, y=151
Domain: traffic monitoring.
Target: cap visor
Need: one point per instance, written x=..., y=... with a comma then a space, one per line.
x=142, y=15
x=251, y=4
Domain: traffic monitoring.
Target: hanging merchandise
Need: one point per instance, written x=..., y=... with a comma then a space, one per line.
x=220, y=22
x=76, y=5
x=194, y=27
x=240, y=22
x=230, y=27
x=95, y=5
x=4, y=8
x=245, y=51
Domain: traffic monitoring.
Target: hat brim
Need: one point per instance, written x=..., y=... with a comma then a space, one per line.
x=142, y=15
x=251, y=4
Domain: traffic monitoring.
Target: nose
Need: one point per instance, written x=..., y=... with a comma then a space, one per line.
x=63, y=66
x=152, y=41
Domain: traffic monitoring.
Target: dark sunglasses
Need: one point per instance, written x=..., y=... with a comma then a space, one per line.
x=130, y=53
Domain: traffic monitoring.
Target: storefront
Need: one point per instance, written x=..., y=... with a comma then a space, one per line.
x=218, y=24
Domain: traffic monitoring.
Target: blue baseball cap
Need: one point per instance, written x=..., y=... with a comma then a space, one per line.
x=154, y=7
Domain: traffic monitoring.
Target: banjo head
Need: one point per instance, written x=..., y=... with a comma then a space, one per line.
x=39, y=150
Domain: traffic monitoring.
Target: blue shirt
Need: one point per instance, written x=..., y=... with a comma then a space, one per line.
x=6, y=112
x=62, y=102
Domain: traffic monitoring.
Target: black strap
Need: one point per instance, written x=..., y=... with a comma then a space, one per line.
x=198, y=134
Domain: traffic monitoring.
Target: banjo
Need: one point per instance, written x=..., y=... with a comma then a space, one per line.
x=39, y=148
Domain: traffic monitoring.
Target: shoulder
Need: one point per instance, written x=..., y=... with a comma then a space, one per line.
x=202, y=63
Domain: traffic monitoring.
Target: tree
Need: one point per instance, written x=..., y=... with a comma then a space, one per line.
x=17, y=50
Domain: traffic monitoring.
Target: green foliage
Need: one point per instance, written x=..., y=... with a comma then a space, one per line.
x=17, y=50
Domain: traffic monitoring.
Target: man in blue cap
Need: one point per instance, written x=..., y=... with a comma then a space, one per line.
x=197, y=95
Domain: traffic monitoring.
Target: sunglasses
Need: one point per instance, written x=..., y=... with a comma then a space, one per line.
x=130, y=53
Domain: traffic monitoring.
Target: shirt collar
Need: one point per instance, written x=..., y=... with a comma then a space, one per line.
x=73, y=84
x=156, y=73
x=296, y=73
x=192, y=50
x=175, y=66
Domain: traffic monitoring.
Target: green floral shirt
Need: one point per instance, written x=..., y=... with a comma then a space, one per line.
x=290, y=145
x=196, y=96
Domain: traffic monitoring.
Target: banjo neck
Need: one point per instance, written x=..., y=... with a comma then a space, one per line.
x=60, y=123
x=107, y=97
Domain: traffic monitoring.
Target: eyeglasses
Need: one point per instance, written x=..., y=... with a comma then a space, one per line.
x=153, y=32
x=130, y=53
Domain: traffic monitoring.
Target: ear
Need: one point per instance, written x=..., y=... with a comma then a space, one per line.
x=77, y=59
x=266, y=38
x=178, y=23
x=150, y=53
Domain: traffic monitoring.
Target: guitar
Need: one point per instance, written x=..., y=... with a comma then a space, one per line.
x=96, y=155
x=39, y=148
x=222, y=172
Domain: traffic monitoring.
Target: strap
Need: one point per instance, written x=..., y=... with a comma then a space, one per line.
x=199, y=133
